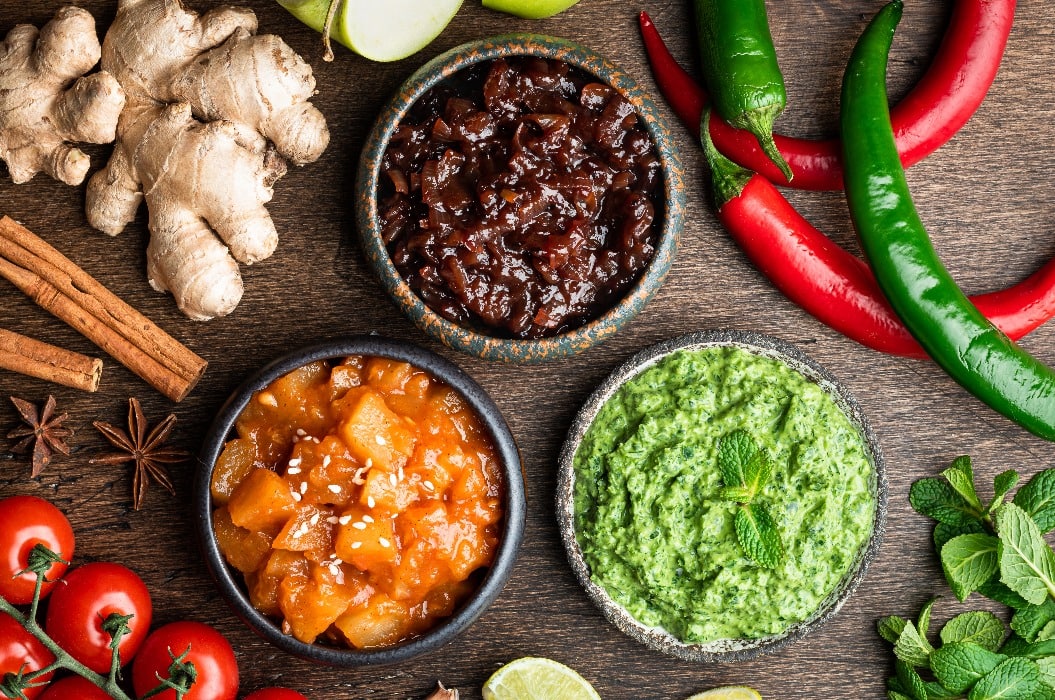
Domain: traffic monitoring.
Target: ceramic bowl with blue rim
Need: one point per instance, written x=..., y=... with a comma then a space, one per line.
x=489, y=319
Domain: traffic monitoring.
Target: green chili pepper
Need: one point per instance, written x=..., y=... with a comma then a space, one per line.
x=959, y=338
x=740, y=68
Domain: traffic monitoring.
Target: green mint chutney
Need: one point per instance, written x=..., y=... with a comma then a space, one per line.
x=655, y=532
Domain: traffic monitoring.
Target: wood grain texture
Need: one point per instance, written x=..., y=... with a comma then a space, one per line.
x=985, y=196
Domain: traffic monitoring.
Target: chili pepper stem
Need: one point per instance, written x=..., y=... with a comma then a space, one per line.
x=727, y=178
x=760, y=123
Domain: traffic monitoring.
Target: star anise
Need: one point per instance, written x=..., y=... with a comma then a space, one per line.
x=43, y=432
x=145, y=448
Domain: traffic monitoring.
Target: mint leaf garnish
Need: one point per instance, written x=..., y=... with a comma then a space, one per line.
x=1004, y=482
x=943, y=532
x=937, y=499
x=961, y=477
x=969, y=561
x=977, y=627
x=923, y=621
x=745, y=470
x=1037, y=498
x=758, y=535
x=959, y=665
x=910, y=680
x=912, y=648
x=890, y=628
x=1030, y=620
x=1027, y=564
x=1016, y=677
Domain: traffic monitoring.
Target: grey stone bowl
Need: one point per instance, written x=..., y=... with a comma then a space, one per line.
x=723, y=649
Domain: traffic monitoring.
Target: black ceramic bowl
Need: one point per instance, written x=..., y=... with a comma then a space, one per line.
x=477, y=341
x=722, y=649
x=230, y=581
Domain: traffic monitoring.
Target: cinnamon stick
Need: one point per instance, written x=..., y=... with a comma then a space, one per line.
x=58, y=285
x=33, y=358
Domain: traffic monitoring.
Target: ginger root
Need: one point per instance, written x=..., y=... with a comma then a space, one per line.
x=213, y=112
x=46, y=101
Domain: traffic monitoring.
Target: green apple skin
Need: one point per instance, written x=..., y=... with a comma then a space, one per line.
x=529, y=9
x=381, y=30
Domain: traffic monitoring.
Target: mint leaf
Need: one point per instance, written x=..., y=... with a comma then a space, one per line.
x=968, y=562
x=890, y=628
x=1047, y=632
x=923, y=621
x=936, y=691
x=735, y=451
x=758, y=535
x=1004, y=482
x=1027, y=564
x=1029, y=621
x=936, y=498
x=959, y=665
x=944, y=532
x=1046, y=666
x=910, y=680
x=995, y=590
x=911, y=647
x=745, y=467
x=977, y=627
x=1013, y=678
x=961, y=478
x=894, y=695
x=1016, y=646
x=1037, y=498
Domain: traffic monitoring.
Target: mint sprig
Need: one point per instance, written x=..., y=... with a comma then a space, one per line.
x=745, y=469
x=995, y=548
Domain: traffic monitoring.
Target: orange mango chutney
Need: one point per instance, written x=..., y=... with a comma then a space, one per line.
x=361, y=500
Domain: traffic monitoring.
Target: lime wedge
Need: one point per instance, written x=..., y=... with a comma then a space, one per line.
x=533, y=678
x=731, y=692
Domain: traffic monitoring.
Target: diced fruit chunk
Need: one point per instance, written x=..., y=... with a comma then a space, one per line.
x=263, y=502
x=244, y=549
x=375, y=435
x=368, y=543
x=233, y=464
x=383, y=621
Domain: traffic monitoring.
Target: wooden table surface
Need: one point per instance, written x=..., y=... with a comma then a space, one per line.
x=985, y=197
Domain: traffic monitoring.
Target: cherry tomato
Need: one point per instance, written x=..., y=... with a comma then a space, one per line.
x=20, y=650
x=74, y=688
x=24, y=522
x=210, y=653
x=89, y=594
x=275, y=694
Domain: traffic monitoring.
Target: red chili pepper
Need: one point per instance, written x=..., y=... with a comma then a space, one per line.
x=937, y=107
x=836, y=287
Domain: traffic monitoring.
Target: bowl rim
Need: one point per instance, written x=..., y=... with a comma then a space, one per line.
x=722, y=650
x=515, y=506
x=512, y=349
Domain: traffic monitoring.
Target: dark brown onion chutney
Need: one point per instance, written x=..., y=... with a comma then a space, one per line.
x=520, y=197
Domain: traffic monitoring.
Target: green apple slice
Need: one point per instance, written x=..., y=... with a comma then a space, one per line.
x=381, y=30
x=530, y=9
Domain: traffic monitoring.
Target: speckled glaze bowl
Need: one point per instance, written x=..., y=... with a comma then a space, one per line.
x=475, y=342
x=230, y=581
x=723, y=649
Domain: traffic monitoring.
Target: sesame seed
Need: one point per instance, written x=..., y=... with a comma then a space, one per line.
x=326, y=461
x=359, y=525
x=304, y=487
x=356, y=545
x=267, y=399
x=332, y=520
x=334, y=488
x=293, y=470
x=383, y=542
x=340, y=576
x=316, y=440
x=367, y=519
x=370, y=502
x=301, y=432
x=296, y=496
x=379, y=440
x=314, y=519
x=295, y=462
x=401, y=473
x=345, y=519
x=369, y=462
x=428, y=485
x=392, y=479
x=337, y=560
